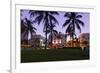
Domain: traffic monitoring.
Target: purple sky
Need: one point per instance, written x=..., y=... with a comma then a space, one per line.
x=61, y=19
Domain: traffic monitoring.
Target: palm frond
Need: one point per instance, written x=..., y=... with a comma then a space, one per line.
x=48, y=31
x=69, y=29
x=33, y=31
x=38, y=19
x=78, y=26
x=31, y=12
x=80, y=22
x=55, y=32
x=66, y=23
x=52, y=18
x=35, y=13
x=67, y=15
x=79, y=16
x=34, y=28
x=54, y=13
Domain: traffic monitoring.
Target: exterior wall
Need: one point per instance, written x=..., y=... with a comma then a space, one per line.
x=36, y=42
x=58, y=41
x=84, y=40
x=74, y=43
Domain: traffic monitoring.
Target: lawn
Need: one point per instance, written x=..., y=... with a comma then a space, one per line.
x=52, y=55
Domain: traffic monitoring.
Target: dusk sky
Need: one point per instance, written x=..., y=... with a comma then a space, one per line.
x=61, y=19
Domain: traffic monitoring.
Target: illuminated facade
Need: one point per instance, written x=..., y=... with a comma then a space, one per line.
x=58, y=41
x=84, y=40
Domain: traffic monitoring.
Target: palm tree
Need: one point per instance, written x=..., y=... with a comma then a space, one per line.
x=29, y=29
x=72, y=22
x=23, y=29
x=52, y=32
x=44, y=17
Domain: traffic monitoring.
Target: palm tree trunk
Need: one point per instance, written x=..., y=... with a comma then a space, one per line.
x=66, y=41
x=51, y=28
x=46, y=39
x=27, y=39
x=72, y=32
x=71, y=40
x=46, y=24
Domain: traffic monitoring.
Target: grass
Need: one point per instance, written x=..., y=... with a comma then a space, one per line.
x=52, y=55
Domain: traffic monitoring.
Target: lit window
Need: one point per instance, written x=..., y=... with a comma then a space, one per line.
x=60, y=41
x=41, y=40
x=56, y=41
x=53, y=42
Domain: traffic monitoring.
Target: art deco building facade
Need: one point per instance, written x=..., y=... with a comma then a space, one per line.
x=84, y=39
